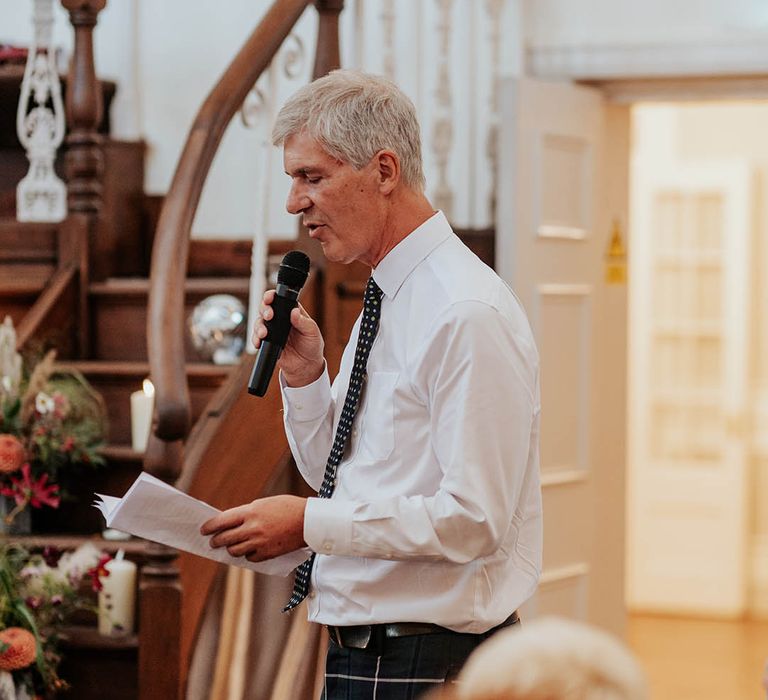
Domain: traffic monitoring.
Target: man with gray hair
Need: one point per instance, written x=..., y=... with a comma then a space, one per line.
x=426, y=531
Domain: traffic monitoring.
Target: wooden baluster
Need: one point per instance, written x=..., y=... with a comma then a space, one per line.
x=83, y=161
x=159, y=626
x=327, y=54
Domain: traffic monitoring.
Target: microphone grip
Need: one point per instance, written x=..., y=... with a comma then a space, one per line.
x=269, y=353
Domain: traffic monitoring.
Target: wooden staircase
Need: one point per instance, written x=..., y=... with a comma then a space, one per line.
x=82, y=287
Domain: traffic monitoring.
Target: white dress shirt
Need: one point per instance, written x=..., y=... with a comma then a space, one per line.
x=436, y=515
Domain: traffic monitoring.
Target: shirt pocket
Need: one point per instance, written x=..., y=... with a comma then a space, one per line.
x=377, y=434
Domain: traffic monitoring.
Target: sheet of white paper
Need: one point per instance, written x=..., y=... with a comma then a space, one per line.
x=157, y=511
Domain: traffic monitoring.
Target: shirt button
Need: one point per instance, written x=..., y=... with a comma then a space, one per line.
x=311, y=594
x=299, y=406
x=327, y=546
x=354, y=432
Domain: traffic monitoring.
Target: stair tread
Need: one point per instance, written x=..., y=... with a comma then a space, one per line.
x=31, y=282
x=139, y=286
x=134, y=546
x=87, y=637
x=11, y=223
x=131, y=368
x=119, y=452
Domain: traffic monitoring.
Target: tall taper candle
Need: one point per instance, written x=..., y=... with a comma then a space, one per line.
x=117, y=597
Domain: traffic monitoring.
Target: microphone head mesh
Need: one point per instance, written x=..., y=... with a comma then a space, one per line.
x=294, y=269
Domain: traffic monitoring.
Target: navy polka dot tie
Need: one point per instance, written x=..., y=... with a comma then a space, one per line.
x=368, y=327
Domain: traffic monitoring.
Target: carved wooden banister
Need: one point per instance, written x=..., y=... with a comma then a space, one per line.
x=327, y=54
x=165, y=322
x=84, y=160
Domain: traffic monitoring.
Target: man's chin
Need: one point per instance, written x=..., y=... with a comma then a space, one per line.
x=332, y=254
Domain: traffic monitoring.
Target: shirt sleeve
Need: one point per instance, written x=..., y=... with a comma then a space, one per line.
x=308, y=419
x=478, y=374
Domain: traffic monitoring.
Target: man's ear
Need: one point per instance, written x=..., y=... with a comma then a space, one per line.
x=388, y=165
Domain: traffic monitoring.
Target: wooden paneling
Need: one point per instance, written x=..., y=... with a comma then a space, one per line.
x=120, y=249
x=217, y=258
x=116, y=380
x=119, y=314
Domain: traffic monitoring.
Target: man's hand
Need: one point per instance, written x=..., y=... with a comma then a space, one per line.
x=262, y=529
x=302, y=357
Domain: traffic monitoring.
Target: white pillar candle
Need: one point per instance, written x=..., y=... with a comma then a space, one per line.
x=117, y=597
x=142, y=405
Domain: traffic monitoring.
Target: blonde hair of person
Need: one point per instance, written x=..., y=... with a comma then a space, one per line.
x=549, y=659
x=353, y=116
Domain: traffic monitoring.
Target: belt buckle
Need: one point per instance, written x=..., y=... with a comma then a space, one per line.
x=355, y=637
x=333, y=633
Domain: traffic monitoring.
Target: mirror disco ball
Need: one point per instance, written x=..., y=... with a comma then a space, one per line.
x=217, y=328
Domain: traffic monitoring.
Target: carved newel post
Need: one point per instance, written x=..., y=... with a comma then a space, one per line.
x=160, y=626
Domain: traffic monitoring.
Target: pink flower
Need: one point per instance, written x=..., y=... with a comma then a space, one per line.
x=60, y=405
x=36, y=492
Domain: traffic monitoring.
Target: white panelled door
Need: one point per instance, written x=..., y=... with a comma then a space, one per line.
x=687, y=508
x=562, y=181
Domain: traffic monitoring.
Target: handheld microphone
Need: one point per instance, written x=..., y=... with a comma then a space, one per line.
x=291, y=277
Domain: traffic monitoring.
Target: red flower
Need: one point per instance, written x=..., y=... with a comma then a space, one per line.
x=68, y=444
x=98, y=571
x=36, y=492
x=11, y=454
x=51, y=555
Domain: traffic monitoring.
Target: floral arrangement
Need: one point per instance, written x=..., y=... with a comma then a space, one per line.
x=52, y=423
x=39, y=592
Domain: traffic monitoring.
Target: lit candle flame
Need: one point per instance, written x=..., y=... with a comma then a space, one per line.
x=149, y=387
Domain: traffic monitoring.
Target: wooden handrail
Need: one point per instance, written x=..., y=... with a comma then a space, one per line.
x=57, y=298
x=165, y=322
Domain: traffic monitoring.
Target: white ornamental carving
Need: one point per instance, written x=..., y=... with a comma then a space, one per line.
x=41, y=195
x=494, y=10
x=388, y=20
x=442, y=127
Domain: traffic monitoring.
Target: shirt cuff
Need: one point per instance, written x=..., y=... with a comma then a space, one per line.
x=307, y=403
x=328, y=525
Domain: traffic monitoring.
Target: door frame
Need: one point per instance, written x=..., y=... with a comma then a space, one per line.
x=676, y=87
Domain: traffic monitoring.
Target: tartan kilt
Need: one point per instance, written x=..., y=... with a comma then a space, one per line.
x=403, y=668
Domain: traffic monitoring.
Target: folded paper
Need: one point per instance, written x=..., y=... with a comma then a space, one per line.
x=161, y=513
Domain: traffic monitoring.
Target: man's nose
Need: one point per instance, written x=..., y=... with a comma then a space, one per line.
x=297, y=201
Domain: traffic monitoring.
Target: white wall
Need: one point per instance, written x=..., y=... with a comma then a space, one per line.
x=113, y=46
x=622, y=22
x=166, y=56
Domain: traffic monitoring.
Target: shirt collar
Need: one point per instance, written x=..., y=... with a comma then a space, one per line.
x=396, y=265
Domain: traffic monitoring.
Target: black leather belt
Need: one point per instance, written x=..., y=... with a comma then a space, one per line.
x=365, y=636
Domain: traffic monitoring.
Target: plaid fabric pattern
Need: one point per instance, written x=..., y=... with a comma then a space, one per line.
x=368, y=329
x=404, y=668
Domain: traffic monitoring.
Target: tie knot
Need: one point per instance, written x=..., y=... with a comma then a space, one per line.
x=372, y=291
